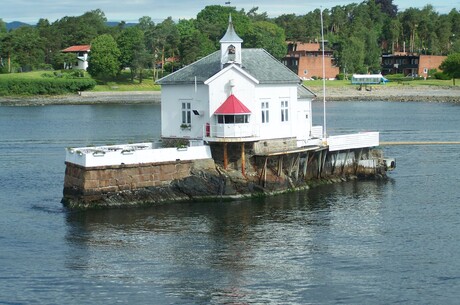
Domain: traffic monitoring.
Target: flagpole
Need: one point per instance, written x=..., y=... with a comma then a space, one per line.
x=324, y=78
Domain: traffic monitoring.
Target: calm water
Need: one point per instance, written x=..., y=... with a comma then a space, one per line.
x=394, y=242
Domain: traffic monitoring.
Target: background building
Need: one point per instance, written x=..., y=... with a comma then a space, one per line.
x=410, y=64
x=305, y=59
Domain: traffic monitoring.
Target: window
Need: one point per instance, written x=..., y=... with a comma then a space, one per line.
x=233, y=119
x=265, y=113
x=186, y=113
x=241, y=119
x=284, y=111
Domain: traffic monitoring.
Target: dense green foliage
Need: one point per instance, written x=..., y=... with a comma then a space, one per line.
x=451, y=66
x=358, y=33
x=44, y=86
x=105, y=57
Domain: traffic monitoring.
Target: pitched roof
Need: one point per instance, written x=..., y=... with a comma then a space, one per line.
x=257, y=62
x=303, y=92
x=232, y=105
x=80, y=48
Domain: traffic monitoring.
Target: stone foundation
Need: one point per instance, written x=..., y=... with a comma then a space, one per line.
x=87, y=184
x=127, y=185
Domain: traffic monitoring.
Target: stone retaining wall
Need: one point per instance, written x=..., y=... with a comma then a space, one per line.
x=90, y=183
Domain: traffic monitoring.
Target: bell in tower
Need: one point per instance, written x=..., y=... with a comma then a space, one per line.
x=230, y=46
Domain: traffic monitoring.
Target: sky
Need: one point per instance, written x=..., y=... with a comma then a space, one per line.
x=30, y=11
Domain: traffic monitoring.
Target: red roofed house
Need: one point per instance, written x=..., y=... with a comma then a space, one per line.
x=81, y=54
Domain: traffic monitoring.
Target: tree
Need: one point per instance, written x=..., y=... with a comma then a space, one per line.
x=352, y=56
x=268, y=36
x=387, y=7
x=254, y=16
x=104, y=60
x=451, y=66
x=293, y=26
x=193, y=44
x=372, y=53
x=166, y=40
x=212, y=21
x=132, y=50
x=23, y=49
x=2, y=28
x=148, y=28
x=81, y=29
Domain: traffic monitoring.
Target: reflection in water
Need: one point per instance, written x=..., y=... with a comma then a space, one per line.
x=350, y=243
x=222, y=252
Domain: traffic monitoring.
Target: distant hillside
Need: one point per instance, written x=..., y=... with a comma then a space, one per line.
x=15, y=24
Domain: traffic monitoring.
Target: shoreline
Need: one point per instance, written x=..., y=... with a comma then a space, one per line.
x=403, y=93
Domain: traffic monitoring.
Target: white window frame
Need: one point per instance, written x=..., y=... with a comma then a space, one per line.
x=284, y=111
x=265, y=112
x=186, y=112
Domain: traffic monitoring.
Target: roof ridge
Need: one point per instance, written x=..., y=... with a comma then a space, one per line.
x=188, y=66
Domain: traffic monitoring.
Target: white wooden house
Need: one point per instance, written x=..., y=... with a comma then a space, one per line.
x=236, y=95
x=81, y=57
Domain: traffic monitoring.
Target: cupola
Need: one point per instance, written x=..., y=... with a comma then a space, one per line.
x=230, y=46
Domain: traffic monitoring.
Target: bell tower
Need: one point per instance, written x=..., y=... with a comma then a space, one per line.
x=230, y=46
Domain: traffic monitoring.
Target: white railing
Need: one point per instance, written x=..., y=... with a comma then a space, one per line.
x=231, y=130
x=356, y=140
x=317, y=132
x=133, y=154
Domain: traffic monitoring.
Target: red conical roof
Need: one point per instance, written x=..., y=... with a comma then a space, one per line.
x=232, y=105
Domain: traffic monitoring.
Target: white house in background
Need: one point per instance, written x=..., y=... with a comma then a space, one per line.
x=81, y=56
x=236, y=95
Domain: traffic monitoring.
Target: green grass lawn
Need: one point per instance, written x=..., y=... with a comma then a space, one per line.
x=123, y=83
x=146, y=85
x=28, y=75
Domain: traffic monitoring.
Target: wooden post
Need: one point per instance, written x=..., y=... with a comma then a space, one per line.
x=305, y=165
x=324, y=160
x=318, y=162
x=297, y=168
x=336, y=154
x=357, y=161
x=243, y=160
x=345, y=161
x=280, y=166
x=225, y=156
x=263, y=174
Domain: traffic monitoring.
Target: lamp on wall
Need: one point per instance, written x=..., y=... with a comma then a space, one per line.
x=198, y=112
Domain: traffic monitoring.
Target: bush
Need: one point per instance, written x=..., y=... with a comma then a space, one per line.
x=44, y=86
x=442, y=76
x=432, y=72
x=401, y=78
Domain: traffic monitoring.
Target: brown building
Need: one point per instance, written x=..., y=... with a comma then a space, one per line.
x=410, y=64
x=305, y=59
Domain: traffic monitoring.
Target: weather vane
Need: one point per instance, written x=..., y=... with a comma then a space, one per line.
x=227, y=2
